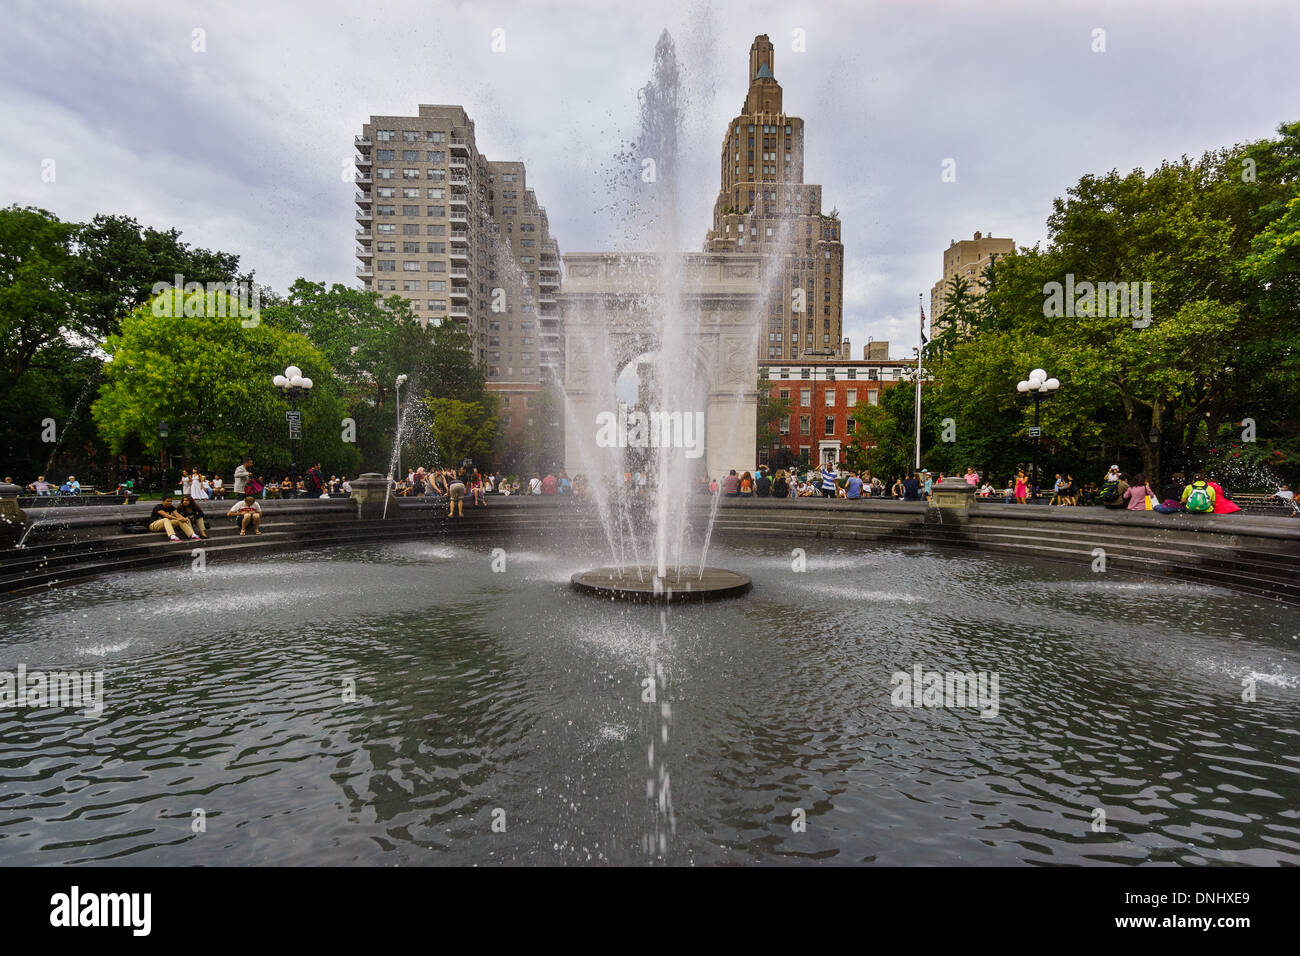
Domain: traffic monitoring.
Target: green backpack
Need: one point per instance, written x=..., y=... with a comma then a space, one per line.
x=1199, y=499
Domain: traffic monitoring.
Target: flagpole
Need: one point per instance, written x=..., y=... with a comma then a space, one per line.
x=920, y=348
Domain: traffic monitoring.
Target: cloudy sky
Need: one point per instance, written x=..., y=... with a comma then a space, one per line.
x=241, y=144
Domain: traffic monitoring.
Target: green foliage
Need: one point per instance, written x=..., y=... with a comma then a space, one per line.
x=370, y=341
x=209, y=377
x=461, y=430
x=1222, y=254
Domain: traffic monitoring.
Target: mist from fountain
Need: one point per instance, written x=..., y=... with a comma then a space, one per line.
x=653, y=531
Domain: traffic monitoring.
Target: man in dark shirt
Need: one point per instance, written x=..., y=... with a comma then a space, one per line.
x=912, y=488
x=763, y=485
x=167, y=519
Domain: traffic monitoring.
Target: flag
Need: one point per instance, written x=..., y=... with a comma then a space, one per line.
x=924, y=340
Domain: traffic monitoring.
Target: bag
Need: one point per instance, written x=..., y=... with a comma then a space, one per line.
x=1151, y=502
x=253, y=486
x=1110, y=491
x=1199, y=499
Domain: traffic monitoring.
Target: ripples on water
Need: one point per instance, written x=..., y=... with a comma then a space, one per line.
x=479, y=694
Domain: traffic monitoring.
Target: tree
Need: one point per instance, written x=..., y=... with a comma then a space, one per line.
x=118, y=263
x=209, y=377
x=370, y=341
x=771, y=412
x=461, y=430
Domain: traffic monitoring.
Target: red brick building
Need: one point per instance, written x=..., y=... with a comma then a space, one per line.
x=823, y=394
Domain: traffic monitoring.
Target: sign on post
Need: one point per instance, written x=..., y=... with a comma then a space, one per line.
x=1035, y=431
x=295, y=424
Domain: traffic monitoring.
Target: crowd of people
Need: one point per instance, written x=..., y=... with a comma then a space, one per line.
x=1117, y=490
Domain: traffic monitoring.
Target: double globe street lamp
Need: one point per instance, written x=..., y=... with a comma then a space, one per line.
x=291, y=384
x=1038, y=387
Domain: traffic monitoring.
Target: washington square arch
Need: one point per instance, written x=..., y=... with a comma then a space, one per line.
x=613, y=305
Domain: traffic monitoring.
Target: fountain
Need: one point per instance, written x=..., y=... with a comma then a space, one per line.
x=690, y=323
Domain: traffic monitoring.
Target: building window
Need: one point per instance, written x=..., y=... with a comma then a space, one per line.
x=386, y=265
x=437, y=212
x=437, y=265
x=784, y=425
x=436, y=248
x=436, y=136
x=830, y=425
x=805, y=425
x=851, y=397
x=437, y=285
x=384, y=135
x=873, y=397
x=851, y=425
x=410, y=172
x=805, y=397
x=410, y=210
x=830, y=397
x=410, y=265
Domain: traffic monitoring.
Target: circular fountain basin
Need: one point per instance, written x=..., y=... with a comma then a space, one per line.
x=642, y=585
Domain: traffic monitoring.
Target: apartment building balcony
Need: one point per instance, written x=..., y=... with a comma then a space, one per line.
x=363, y=180
x=458, y=255
x=364, y=235
x=548, y=282
x=460, y=273
x=363, y=215
x=365, y=272
x=460, y=237
x=362, y=199
x=461, y=217
x=459, y=145
x=461, y=201
x=362, y=161
x=361, y=142
x=459, y=179
x=546, y=299
x=458, y=312
x=364, y=253
x=456, y=162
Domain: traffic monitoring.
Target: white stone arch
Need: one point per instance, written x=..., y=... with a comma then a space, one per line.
x=609, y=304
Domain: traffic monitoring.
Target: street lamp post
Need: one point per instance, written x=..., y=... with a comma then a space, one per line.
x=290, y=384
x=1038, y=387
x=397, y=435
x=163, y=431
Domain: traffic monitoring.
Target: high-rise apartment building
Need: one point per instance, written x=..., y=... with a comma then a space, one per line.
x=765, y=206
x=463, y=238
x=968, y=259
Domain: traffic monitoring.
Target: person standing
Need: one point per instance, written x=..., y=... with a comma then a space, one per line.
x=828, y=480
x=1022, y=488
x=316, y=482
x=242, y=475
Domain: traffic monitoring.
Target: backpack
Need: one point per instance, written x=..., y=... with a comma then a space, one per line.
x=1199, y=499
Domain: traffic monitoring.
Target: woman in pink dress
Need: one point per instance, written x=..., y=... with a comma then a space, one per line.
x=1022, y=488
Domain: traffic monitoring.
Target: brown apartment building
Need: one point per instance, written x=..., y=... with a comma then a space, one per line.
x=465, y=240
x=968, y=259
x=764, y=205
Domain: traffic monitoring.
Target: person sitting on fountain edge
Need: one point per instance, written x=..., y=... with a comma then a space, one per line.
x=248, y=512
x=168, y=520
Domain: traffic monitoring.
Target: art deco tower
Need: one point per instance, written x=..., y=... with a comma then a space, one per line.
x=765, y=206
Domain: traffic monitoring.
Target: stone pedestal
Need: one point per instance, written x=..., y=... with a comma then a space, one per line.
x=13, y=520
x=952, y=493
x=370, y=492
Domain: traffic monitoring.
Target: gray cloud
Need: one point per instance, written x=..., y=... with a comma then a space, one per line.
x=241, y=147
